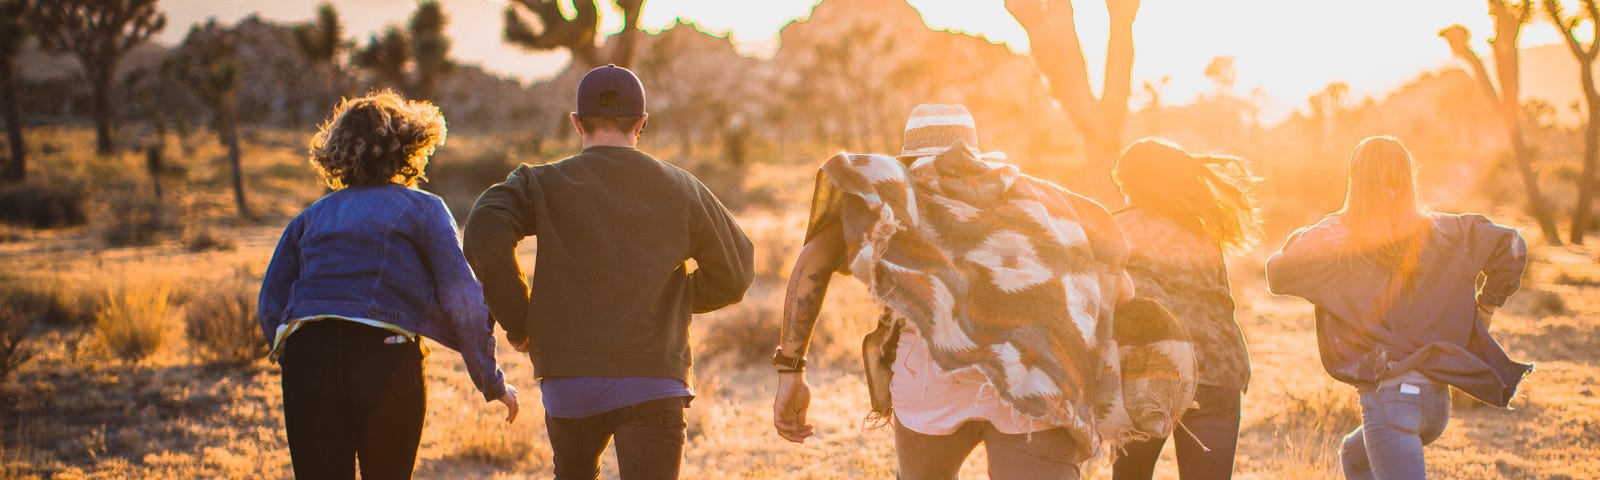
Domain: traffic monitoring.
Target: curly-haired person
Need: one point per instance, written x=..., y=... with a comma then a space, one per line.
x=357, y=281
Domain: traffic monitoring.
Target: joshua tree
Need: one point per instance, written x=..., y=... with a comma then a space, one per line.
x=98, y=33
x=1509, y=17
x=1058, y=54
x=320, y=43
x=423, y=46
x=207, y=62
x=13, y=30
x=550, y=29
x=1581, y=213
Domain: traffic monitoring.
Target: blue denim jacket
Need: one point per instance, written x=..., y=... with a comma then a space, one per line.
x=387, y=253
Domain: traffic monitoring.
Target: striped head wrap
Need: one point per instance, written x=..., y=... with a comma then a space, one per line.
x=934, y=128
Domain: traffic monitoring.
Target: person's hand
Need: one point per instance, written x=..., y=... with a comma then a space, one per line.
x=510, y=400
x=789, y=407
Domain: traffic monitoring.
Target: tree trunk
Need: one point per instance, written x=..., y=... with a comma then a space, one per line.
x=1530, y=183
x=227, y=119
x=17, y=170
x=102, y=110
x=1581, y=213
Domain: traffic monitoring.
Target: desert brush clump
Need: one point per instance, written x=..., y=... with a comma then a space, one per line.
x=43, y=204
x=134, y=320
x=48, y=301
x=222, y=322
x=133, y=221
x=15, y=350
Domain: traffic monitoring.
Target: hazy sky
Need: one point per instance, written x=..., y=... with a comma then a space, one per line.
x=1289, y=48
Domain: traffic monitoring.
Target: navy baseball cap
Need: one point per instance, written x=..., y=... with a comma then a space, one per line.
x=610, y=91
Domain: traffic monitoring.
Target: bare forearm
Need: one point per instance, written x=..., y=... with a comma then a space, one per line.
x=801, y=307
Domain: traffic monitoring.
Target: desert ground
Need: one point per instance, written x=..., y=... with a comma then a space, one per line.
x=88, y=405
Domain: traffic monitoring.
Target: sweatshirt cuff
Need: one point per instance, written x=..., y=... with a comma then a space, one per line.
x=495, y=388
x=1496, y=301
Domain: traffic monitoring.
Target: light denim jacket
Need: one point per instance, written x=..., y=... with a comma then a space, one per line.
x=387, y=253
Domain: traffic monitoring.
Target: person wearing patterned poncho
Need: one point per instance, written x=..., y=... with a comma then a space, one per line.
x=999, y=291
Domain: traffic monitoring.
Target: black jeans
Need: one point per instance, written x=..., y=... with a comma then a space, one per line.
x=650, y=438
x=1215, y=421
x=348, y=396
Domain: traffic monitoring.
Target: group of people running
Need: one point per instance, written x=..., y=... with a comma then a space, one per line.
x=1000, y=293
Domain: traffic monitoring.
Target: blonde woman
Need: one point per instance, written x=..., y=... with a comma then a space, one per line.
x=1187, y=212
x=357, y=281
x=1400, y=313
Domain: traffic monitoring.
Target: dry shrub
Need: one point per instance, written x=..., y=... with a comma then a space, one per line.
x=133, y=221
x=133, y=322
x=14, y=348
x=1536, y=303
x=50, y=301
x=1307, y=428
x=223, y=324
x=742, y=334
x=43, y=204
x=505, y=451
x=202, y=238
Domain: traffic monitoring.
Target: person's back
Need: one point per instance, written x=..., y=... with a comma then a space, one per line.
x=1401, y=315
x=356, y=283
x=615, y=227
x=606, y=323
x=1185, y=212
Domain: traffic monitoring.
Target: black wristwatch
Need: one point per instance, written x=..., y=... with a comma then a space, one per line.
x=787, y=364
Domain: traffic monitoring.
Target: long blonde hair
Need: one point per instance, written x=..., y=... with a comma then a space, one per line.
x=1212, y=194
x=1382, y=212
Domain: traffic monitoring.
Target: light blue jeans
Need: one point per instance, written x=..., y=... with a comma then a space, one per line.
x=1397, y=418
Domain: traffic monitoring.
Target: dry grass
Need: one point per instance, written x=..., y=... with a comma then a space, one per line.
x=15, y=349
x=135, y=320
x=73, y=413
x=222, y=321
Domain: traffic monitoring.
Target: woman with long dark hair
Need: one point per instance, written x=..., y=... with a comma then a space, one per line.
x=1404, y=296
x=1186, y=213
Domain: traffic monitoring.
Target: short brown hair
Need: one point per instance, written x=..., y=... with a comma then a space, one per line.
x=619, y=124
x=378, y=138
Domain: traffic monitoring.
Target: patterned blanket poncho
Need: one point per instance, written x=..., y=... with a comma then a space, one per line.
x=1000, y=272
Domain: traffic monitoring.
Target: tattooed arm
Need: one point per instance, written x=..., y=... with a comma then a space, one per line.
x=814, y=267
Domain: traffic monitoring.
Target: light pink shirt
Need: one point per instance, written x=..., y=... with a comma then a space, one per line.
x=933, y=402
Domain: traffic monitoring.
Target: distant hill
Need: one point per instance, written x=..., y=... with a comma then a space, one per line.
x=1549, y=73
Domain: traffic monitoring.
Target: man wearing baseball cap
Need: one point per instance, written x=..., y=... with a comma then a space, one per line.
x=606, y=321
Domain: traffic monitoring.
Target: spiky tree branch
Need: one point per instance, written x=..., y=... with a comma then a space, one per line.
x=1509, y=19
x=1058, y=54
x=547, y=28
x=98, y=33
x=1585, y=54
x=320, y=42
x=422, y=50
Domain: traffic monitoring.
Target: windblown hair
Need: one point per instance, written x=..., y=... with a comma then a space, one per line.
x=375, y=139
x=1382, y=210
x=1213, y=195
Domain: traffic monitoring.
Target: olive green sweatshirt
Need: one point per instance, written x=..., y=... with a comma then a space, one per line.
x=611, y=294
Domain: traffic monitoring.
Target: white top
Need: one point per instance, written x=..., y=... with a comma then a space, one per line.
x=934, y=402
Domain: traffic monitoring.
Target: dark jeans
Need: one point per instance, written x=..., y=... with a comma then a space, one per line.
x=1045, y=454
x=650, y=438
x=349, y=396
x=1215, y=421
